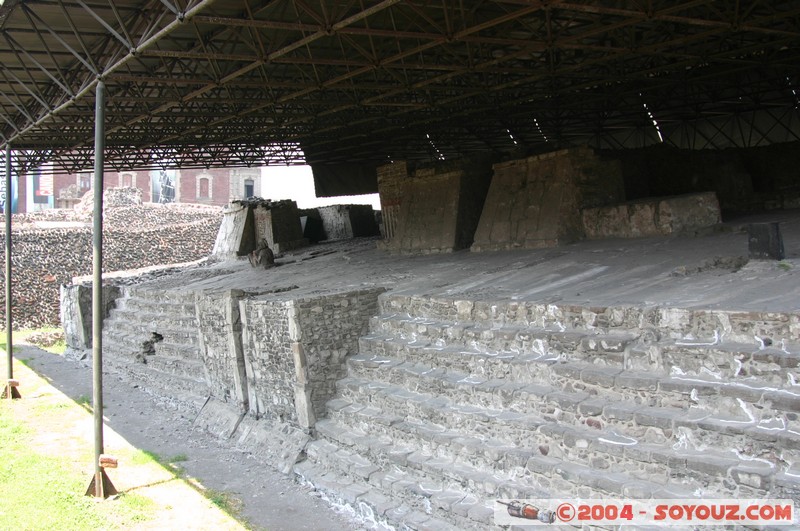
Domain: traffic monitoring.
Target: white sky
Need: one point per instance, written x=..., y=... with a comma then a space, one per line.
x=297, y=182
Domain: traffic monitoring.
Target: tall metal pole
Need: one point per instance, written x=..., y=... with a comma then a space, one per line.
x=9, y=319
x=101, y=482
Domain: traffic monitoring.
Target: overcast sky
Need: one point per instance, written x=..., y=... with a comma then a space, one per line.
x=297, y=182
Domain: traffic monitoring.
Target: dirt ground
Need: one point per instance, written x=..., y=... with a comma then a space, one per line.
x=269, y=500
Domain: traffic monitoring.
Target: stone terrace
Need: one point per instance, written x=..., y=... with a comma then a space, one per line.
x=661, y=367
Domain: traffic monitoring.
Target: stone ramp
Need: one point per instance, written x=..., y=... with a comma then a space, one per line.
x=153, y=336
x=452, y=404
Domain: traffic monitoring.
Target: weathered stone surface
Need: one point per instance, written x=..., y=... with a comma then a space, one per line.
x=219, y=418
x=479, y=410
x=246, y=223
x=236, y=235
x=279, y=224
x=220, y=330
x=280, y=445
x=536, y=202
x=76, y=312
x=653, y=217
x=295, y=348
x=432, y=210
x=341, y=222
x=51, y=248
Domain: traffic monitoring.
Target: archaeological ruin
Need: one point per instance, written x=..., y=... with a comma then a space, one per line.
x=651, y=358
x=581, y=283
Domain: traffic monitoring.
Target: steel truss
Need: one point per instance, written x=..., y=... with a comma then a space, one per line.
x=199, y=83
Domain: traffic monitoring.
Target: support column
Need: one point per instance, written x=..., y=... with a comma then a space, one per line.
x=10, y=387
x=100, y=486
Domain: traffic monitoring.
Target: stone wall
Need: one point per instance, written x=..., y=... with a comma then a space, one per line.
x=236, y=235
x=342, y=222
x=390, y=182
x=246, y=222
x=294, y=350
x=221, y=346
x=280, y=225
x=433, y=209
x=326, y=329
x=653, y=217
x=536, y=202
x=50, y=248
x=744, y=179
x=76, y=312
x=269, y=363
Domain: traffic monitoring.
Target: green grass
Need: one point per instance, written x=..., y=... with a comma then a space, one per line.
x=39, y=492
x=3, y=345
x=224, y=501
x=142, y=457
x=57, y=348
x=22, y=335
x=84, y=400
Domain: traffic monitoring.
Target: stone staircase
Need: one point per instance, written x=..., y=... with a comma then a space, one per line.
x=153, y=335
x=452, y=404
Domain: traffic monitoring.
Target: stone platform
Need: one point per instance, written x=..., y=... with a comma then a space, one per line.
x=649, y=368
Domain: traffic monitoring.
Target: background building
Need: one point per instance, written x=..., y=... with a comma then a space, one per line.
x=44, y=190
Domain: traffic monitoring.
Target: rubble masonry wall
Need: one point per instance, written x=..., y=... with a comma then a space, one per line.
x=342, y=222
x=294, y=350
x=134, y=237
x=220, y=331
x=536, y=202
x=654, y=217
x=432, y=209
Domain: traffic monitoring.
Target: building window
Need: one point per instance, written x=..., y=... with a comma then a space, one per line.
x=203, y=189
x=126, y=179
x=84, y=181
x=249, y=188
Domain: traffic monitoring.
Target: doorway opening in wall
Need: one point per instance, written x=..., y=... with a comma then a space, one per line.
x=249, y=188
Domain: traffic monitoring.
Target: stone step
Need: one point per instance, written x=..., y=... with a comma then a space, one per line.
x=675, y=323
x=510, y=366
x=136, y=304
x=521, y=436
x=189, y=392
x=130, y=347
x=169, y=333
x=161, y=296
x=382, y=510
x=452, y=491
x=482, y=337
x=535, y=475
x=692, y=428
x=152, y=319
x=578, y=382
x=191, y=369
x=777, y=365
x=185, y=352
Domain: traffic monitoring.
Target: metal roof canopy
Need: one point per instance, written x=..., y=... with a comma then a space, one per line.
x=199, y=83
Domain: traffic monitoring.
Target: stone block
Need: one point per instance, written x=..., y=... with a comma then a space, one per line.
x=218, y=418
x=277, y=444
x=437, y=207
x=236, y=235
x=653, y=217
x=765, y=241
x=76, y=312
x=342, y=222
x=536, y=202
